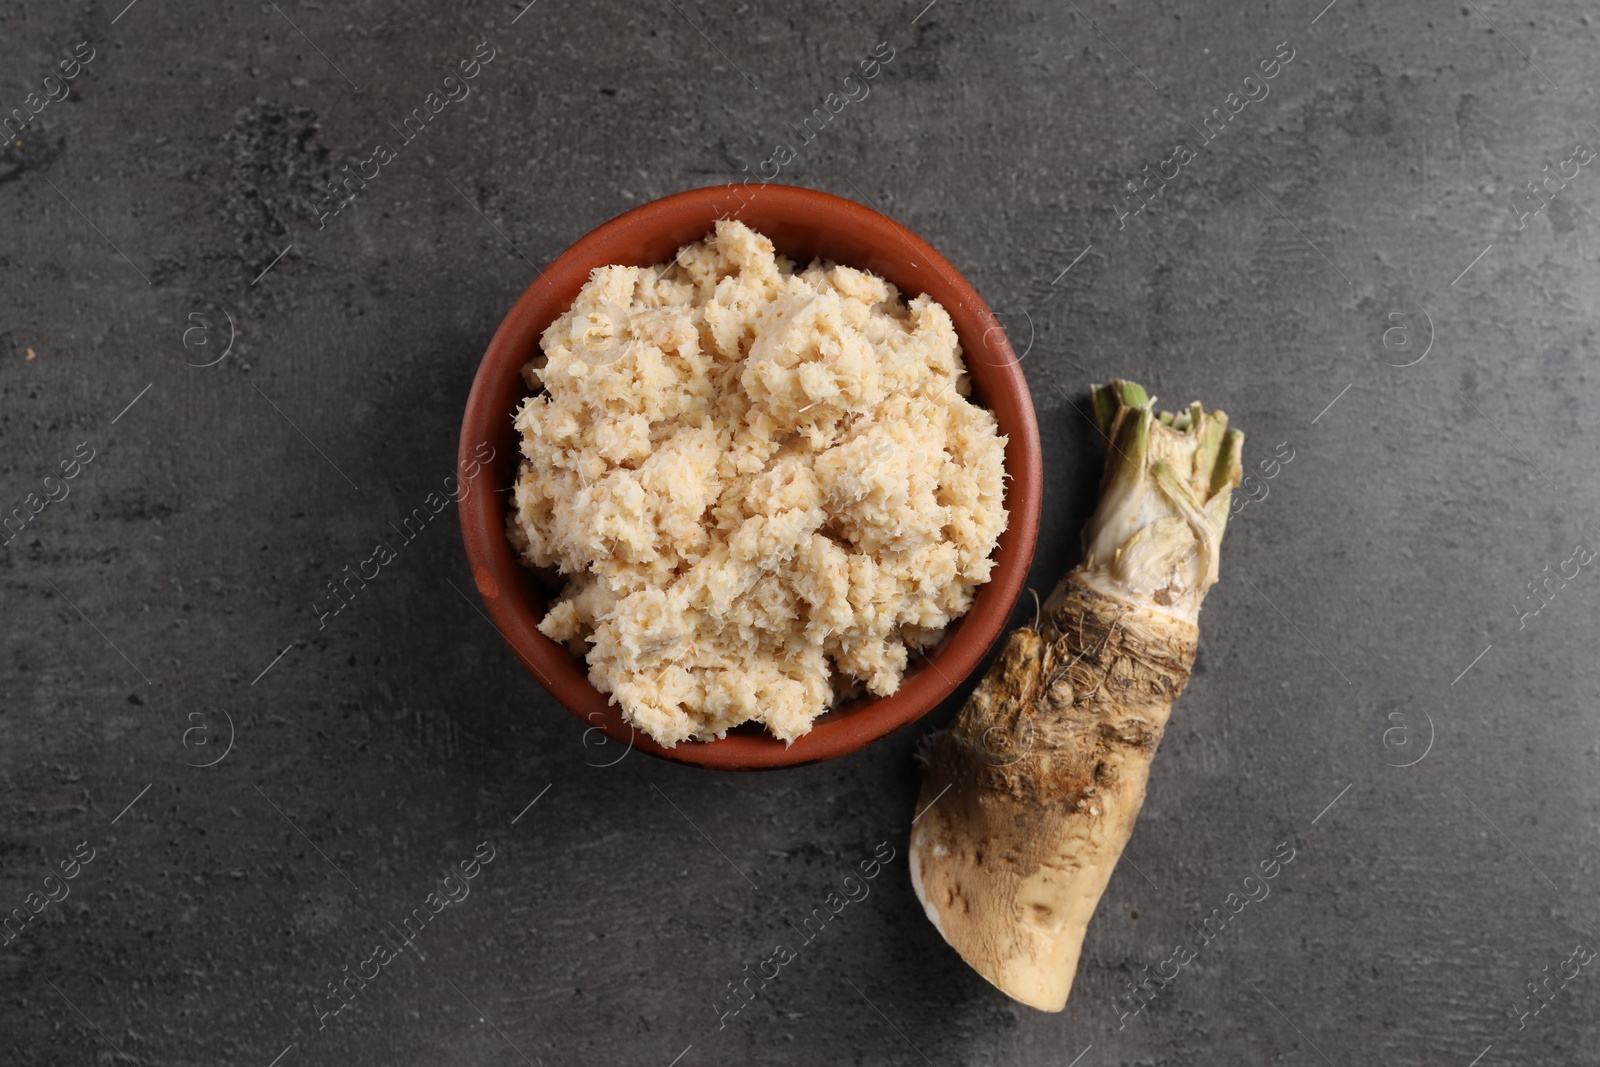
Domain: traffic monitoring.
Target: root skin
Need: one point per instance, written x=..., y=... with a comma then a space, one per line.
x=1035, y=788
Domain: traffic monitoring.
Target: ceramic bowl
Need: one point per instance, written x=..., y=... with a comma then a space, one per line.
x=802, y=224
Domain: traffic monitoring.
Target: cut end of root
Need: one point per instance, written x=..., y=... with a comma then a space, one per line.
x=989, y=872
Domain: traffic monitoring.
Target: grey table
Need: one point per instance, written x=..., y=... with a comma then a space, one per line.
x=1397, y=675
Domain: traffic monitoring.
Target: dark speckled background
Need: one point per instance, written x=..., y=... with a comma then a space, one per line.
x=1374, y=609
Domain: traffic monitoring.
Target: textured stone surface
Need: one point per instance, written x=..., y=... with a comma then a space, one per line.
x=1382, y=560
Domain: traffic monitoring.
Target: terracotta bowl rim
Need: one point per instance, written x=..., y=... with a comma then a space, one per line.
x=510, y=592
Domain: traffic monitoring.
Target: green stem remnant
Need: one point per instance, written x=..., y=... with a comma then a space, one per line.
x=1154, y=539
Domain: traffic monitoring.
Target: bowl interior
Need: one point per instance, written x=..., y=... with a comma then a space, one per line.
x=803, y=225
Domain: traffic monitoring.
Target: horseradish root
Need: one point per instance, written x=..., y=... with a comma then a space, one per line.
x=1031, y=794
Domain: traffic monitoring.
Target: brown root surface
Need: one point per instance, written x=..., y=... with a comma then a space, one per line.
x=1032, y=793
